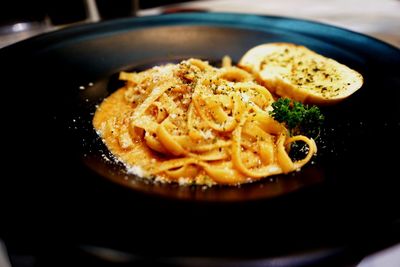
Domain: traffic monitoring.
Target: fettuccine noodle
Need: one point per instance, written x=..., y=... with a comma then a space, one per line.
x=193, y=123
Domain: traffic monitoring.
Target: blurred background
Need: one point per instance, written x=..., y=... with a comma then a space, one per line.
x=21, y=19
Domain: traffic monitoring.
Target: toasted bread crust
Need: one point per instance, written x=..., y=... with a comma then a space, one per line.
x=296, y=72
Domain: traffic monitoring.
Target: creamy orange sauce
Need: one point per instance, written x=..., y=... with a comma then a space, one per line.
x=192, y=123
x=116, y=109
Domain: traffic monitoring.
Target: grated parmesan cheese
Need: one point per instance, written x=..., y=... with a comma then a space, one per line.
x=136, y=170
x=207, y=134
x=245, y=97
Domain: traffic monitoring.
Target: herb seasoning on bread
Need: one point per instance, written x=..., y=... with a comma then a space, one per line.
x=296, y=72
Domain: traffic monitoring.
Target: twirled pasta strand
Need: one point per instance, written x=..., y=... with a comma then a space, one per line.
x=195, y=122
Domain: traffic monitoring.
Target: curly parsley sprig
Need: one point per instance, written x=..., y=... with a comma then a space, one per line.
x=299, y=118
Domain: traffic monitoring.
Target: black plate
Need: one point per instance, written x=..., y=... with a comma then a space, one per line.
x=56, y=165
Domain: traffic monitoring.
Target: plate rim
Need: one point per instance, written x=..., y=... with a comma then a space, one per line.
x=245, y=20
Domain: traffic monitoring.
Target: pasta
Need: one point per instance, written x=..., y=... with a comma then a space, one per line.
x=192, y=123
